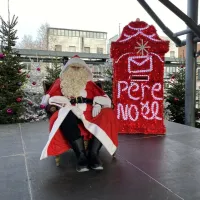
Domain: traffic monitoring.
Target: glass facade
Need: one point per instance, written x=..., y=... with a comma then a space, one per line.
x=169, y=70
x=77, y=33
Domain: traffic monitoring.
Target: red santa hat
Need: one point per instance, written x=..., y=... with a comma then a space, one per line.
x=76, y=61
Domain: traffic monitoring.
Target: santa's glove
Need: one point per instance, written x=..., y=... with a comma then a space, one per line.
x=59, y=101
x=96, y=110
x=45, y=100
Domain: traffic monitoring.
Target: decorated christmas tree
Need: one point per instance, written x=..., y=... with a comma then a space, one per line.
x=33, y=92
x=12, y=75
x=176, y=97
x=53, y=71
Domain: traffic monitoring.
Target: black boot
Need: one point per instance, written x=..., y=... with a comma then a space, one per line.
x=94, y=160
x=79, y=149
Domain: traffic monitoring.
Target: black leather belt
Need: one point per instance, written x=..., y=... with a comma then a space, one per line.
x=81, y=100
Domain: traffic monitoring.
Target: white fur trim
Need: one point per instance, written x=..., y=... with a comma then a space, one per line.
x=77, y=62
x=82, y=106
x=101, y=135
x=45, y=99
x=74, y=62
x=78, y=112
x=63, y=112
x=102, y=100
x=83, y=93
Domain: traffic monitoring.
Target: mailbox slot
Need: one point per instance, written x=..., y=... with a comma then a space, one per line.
x=139, y=78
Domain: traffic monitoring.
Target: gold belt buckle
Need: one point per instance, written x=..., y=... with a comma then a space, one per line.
x=80, y=98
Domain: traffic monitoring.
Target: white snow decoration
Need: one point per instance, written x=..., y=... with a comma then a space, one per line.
x=33, y=94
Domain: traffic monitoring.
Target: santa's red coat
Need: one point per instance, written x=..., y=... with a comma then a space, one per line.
x=104, y=126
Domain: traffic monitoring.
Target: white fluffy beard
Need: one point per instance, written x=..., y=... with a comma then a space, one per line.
x=73, y=81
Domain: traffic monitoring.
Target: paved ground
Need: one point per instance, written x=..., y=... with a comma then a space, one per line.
x=146, y=167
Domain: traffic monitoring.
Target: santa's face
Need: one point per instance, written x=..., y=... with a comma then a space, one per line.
x=73, y=80
x=76, y=68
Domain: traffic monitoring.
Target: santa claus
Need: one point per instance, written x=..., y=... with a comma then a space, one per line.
x=85, y=114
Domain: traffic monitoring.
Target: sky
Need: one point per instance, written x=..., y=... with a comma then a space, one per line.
x=101, y=15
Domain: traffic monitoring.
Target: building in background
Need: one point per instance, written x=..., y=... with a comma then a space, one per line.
x=173, y=50
x=112, y=39
x=182, y=54
x=77, y=40
x=198, y=77
x=182, y=51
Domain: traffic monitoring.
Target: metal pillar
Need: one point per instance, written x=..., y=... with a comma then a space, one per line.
x=195, y=39
x=190, y=77
x=164, y=28
x=186, y=18
x=188, y=30
x=182, y=32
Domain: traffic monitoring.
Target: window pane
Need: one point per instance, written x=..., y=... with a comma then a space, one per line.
x=73, y=33
x=95, y=35
x=88, y=34
x=51, y=31
x=70, y=33
x=77, y=33
x=98, y=35
x=58, y=47
x=55, y=32
x=91, y=34
x=87, y=49
x=62, y=32
x=172, y=54
x=72, y=48
x=66, y=32
x=165, y=74
x=59, y=32
x=99, y=50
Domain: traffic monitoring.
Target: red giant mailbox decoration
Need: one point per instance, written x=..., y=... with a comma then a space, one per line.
x=138, y=66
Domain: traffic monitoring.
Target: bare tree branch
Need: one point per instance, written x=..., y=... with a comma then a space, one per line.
x=27, y=42
x=41, y=42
